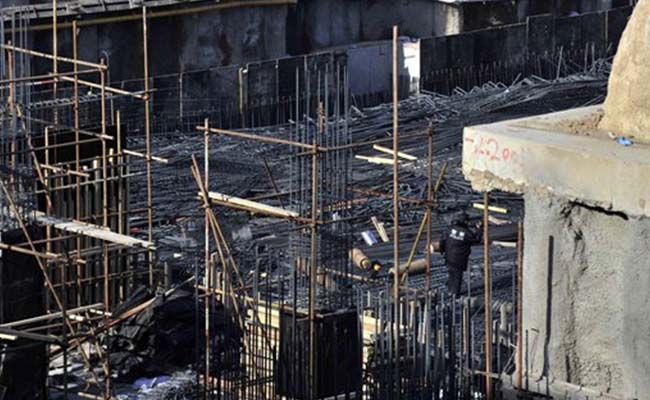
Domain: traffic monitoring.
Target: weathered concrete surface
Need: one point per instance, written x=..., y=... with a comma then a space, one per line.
x=179, y=43
x=187, y=44
x=447, y=19
x=371, y=65
x=626, y=108
x=593, y=316
x=233, y=37
x=555, y=154
x=318, y=24
x=329, y=23
x=586, y=255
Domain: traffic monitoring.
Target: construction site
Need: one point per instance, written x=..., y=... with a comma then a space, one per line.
x=324, y=199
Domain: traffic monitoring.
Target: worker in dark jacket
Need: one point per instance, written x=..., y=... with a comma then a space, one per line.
x=456, y=245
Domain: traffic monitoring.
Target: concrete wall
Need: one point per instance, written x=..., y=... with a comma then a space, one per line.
x=372, y=68
x=182, y=43
x=586, y=298
x=506, y=49
x=319, y=24
x=479, y=16
x=369, y=64
x=232, y=37
x=447, y=19
x=209, y=50
x=581, y=6
x=505, y=52
x=586, y=259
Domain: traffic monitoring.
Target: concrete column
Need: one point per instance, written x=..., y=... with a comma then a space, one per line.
x=583, y=297
x=586, y=256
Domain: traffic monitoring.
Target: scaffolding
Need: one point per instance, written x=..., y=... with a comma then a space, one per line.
x=65, y=198
x=412, y=342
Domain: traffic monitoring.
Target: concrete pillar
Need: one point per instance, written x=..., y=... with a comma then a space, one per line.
x=586, y=256
x=584, y=323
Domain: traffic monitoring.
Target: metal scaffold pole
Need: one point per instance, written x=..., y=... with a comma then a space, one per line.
x=147, y=127
x=520, y=300
x=396, y=261
x=487, y=276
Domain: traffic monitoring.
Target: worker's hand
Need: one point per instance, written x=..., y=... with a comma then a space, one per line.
x=479, y=224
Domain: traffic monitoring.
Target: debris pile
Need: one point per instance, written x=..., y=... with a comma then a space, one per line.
x=161, y=338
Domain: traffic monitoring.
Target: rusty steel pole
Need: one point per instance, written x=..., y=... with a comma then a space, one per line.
x=487, y=298
x=396, y=275
x=147, y=129
x=312, y=274
x=520, y=300
x=208, y=272
x=429, y=202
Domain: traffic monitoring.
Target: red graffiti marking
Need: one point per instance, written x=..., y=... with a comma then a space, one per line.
x=506, y=154
x=492, y=149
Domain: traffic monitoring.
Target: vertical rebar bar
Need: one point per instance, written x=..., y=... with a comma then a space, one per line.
x=207, y=273
x=396, y=275
x=520, y=298
x=313, y=272
x=77, y=153
x=55, y=59
x=487, y=298
x=147, y=128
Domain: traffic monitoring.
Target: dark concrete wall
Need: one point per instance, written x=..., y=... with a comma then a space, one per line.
x=465, y=60
x=502, y=53
x=210, y=49
x=180, y=43
x=249, y=34
x=318, y=24
x=475, y=15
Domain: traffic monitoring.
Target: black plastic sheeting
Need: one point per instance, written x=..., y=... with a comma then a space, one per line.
x=23, y=363
x=338, y=352
x=161, y=339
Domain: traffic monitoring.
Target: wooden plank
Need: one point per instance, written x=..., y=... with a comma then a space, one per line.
x=18, y=249
x=250, y=205
x=375, y=160
x=390, y=151
x=495, y=209
x=379, y=226
x=93, y=231
x=142, y=155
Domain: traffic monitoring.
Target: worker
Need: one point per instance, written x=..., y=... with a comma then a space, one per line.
x=456, y=245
